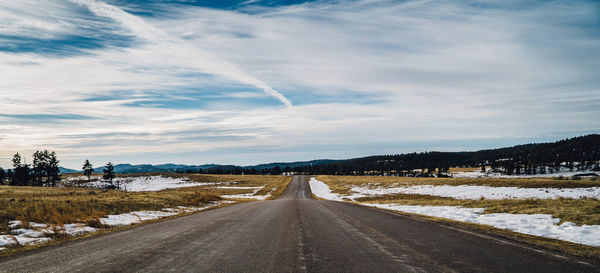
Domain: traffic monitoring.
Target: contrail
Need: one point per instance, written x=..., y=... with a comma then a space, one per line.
x=147, y=32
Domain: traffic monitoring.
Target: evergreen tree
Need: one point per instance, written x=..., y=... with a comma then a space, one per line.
x=88, y=169
x=109, y=173
x=53, y=171
x=276, y=171
x=21, y=172
x=39, y=167
x=2, y=176
x=45, y=168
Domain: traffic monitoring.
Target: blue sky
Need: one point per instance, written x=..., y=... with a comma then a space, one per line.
x=246, y=82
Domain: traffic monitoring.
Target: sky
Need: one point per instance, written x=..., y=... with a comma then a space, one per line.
x=256, y=81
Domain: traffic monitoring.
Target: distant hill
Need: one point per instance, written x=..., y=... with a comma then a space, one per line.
x=578, y=153
x=282, y=165
x=147, y=168
x=575, y=153
x=66, y=170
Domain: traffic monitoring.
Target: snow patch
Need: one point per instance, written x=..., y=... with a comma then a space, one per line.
x=7, y=240
x=246, y=195
x=135, y=217
x=241, y=188
x=321, y=190
x=28, y=232
x=478, y=192
x=14, y=224
x=150, y=183
x=478, y=174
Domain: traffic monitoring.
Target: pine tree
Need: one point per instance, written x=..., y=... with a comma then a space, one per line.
x=21, y=172
x=88, y=169
x=109, y=173
x=45, y=168
x=53, y=171
x=2, y=176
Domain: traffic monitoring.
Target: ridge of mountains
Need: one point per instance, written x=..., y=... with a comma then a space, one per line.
x=126, y=168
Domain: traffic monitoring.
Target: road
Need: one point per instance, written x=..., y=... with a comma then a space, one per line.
x=294, y=233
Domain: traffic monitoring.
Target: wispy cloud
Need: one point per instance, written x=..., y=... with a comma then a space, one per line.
x=194, y=83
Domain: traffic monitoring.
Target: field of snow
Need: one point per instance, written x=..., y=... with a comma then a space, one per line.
x=37, y=232
x=534, y=224
x=149, y=183
x=478, y=192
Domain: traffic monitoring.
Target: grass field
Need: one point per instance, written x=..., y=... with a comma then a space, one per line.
x=342, y=184
x=579, y=211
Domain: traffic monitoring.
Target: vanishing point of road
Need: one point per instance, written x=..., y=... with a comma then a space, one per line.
x=294, y=233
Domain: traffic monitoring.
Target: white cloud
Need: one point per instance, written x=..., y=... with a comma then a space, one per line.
x=360, y=72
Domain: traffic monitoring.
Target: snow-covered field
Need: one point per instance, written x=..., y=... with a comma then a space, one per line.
x=38, y=233
x=478, y=192
x=534, y=224
x=149, y=183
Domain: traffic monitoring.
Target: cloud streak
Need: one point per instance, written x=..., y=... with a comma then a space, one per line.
x=204, y=61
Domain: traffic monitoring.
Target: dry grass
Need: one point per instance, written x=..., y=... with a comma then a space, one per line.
x=69, y=205
x=457, y=169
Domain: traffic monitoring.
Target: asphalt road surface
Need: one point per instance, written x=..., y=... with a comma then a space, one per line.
x=294, y=233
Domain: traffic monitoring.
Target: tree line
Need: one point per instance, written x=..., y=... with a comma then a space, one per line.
x=45, y=171
x=574, y=154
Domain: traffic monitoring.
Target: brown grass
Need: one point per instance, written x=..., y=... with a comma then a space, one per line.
x=70, y=205
x=59, y=206
x=579, y=211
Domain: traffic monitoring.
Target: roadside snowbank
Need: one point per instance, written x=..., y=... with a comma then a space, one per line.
x=321, y=190
x=135, y=217
x=478, y=192
x=543, y=225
